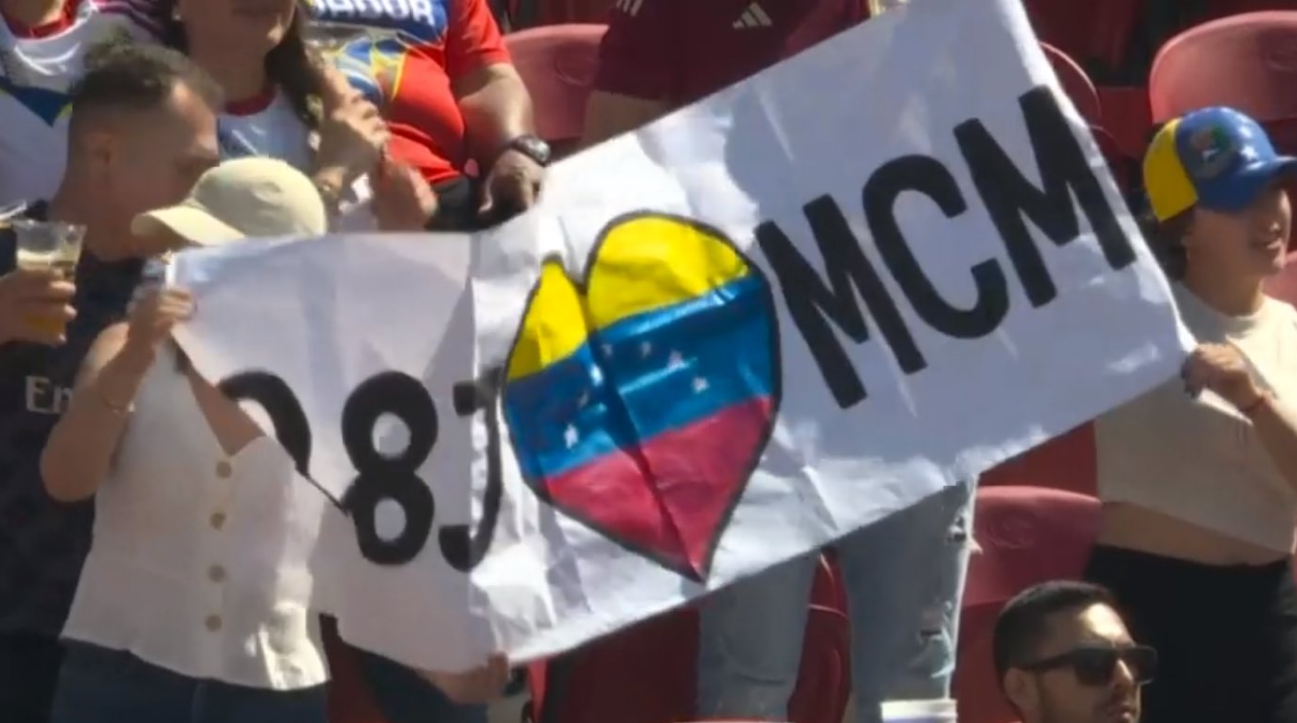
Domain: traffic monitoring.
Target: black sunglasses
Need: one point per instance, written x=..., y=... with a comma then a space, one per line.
x=1095, y=665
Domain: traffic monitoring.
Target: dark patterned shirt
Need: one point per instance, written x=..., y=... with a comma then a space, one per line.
x=43, y=543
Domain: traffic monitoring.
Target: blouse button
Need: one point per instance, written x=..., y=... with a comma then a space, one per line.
x=213, y=622
x=216, y=573
x=224, y=470
x=218, y=520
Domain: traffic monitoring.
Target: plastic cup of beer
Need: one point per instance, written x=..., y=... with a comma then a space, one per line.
x=48, y=246
x=919, y=711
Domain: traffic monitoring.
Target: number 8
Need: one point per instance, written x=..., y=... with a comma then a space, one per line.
x=396, y=477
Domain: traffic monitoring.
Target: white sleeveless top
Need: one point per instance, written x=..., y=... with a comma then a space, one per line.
x=276, y=132
x=1198, y=460
x=200, y=561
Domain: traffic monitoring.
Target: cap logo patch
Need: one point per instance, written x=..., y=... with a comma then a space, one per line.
x=1212, y=150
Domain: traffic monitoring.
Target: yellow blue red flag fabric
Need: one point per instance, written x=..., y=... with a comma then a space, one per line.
x=640, y=399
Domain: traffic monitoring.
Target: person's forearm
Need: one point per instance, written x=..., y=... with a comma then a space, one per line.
x=1276, y=427
x=611, y=114
x=80, y=450
x=496, y=109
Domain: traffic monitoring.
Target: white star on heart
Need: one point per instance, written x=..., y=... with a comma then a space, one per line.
x=700, y=385
x=676, y=360
x=570, y=437
x=1249, y=154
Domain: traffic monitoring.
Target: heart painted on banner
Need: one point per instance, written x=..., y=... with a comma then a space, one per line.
x=640, y=399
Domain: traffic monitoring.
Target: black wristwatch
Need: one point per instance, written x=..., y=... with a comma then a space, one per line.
x=532, y=147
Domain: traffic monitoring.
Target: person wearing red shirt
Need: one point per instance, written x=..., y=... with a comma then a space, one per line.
x=439, y=72
x=904, y=575
x=663, y=54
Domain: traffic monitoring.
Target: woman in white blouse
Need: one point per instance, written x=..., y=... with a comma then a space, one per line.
x=195, y=603
x=1198, y=478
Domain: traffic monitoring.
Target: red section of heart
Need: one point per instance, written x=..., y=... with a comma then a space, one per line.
x=670, y=497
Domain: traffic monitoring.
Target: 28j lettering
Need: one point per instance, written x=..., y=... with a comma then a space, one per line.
x=382, y=477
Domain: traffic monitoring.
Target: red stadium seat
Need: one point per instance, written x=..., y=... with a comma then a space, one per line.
x=350, y=700
x=558, y=65
x=1076, y=84
x=1215, y=9
x=1247, y=61
x=1094, y=33
x=1063, y=463
x=525, y=14
x=647, y=673
x=1127, y=117
x=1028, y=535
x=828, y=590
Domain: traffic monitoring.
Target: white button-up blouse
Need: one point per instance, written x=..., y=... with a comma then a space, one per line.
x=200, y=560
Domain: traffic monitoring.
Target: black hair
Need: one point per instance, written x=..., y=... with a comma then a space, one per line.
x=290, y=65
x=1024, y=622
x=124, y=75
x=1166, y=240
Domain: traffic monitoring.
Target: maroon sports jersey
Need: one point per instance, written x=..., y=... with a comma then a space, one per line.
x=681, y=50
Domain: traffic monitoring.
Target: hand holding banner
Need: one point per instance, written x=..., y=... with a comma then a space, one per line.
x=756, y=325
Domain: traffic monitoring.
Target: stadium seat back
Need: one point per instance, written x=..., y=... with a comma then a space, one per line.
x=828, y=590
x=350, y=700
x=524, y=14
x=1076, y=84
x=1063, y=463
x=647, y=673
x=1246, y=61
x=1127, y=117
x=1095, y=33
x=558, y=64
x=1028, y=535
x=1215, y=9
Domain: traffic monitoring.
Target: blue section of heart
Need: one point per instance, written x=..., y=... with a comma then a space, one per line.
x=647, y=375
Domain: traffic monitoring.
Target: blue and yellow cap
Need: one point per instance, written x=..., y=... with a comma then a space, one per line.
x=1216, y=158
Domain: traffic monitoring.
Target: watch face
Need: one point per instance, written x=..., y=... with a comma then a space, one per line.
x=534, y=147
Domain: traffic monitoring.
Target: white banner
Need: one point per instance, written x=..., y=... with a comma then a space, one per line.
x=756, y=325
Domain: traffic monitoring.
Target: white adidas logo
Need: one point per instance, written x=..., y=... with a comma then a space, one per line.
x=754, y=17
x=630, y=7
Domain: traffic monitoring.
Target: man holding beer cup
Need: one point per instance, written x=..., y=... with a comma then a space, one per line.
x=35, y=302
x=142, y=129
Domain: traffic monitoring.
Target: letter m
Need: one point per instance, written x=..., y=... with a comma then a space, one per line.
x=814, y=304
x=1065, y=172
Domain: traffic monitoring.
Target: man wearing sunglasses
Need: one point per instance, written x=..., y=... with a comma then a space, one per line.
x=1063, y=655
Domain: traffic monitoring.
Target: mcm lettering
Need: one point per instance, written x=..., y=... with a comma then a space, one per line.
x=825, y=307
x=43, y=396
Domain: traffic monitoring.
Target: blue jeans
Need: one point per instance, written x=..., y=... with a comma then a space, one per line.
x=904, y=578
x=98, y=685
